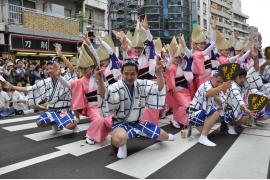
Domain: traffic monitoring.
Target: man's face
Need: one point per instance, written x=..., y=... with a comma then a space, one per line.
x=240, y=80
x=50, y=70
x=129, y=75
x=137, y=51
x=217, y=81
x=20, y=64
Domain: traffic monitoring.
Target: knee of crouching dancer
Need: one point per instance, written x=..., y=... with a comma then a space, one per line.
x=71, y=126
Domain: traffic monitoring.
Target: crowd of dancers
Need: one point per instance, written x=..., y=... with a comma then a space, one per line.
x=126, y=98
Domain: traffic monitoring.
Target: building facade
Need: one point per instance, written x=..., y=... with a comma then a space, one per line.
x=239, y=20
x=30, y=28
x=222, y=10
x=204, y=15
x=167, y=18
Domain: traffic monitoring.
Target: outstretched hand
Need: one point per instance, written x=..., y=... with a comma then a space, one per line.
x=159, y=67
x=226, y=85
x=86, y=39
x=99, y=73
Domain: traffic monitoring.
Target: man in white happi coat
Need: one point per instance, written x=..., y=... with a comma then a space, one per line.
x=127, y=99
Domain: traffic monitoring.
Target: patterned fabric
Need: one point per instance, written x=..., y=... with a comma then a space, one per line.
x=254, y=79
x=235, y=99
x=128, y=107
x=149, y=129
x=61, y=117
x=52, y=91
x=197, y=118
x=266, y=74
x=201, y=102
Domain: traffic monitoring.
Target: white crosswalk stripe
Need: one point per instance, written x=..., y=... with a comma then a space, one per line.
x=155, y=156
x=28, y=118
x=41, y=136
x=252, y=143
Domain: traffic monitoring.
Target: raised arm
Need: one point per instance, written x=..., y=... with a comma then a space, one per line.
x=66, y=61
x=214, y=91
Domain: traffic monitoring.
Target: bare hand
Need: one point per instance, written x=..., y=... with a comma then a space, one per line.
x=254, y=53
x=86, y=39
x=226, y=85
x=159, y=67
x=182, y=41
x=58, y=50
x=99, y=73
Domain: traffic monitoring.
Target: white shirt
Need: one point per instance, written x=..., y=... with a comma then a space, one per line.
x=3, y=99
x=19, y=96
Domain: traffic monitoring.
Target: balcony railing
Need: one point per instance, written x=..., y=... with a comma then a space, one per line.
x=38, y=20
x=13, y=14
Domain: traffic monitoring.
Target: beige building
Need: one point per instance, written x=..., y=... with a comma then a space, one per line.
x=30, y=28
x=222, y=10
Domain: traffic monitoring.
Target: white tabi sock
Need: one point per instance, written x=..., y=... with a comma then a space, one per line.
x=122, y=152
x=205, y=141
x=171, y=137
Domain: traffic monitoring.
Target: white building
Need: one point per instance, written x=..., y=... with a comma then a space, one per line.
x=96, y=14
x=204, y=15
x=239, y=19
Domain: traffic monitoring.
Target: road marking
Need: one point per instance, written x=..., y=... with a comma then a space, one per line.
x=30, y=162
x=155, y=156
x=248, y=158
x=40, y=136
x=26, y=126
x=79, y=148
x=28, y=118
x=20, y=127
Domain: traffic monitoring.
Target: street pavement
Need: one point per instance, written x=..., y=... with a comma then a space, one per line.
x=30, y=152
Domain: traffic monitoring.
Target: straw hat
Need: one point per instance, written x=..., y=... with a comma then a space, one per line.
x=158, y=45
x=102, y=53
x=86, y=58
x=173, y=45
x=239, y=46
x=222, y=43
x=198, y=35
x=139, y=37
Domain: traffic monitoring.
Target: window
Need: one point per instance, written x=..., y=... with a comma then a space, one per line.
x=204, y=8
x=198, y=4
x=29, y=4
x=67, y=12
x=199, y=20
x=205, y=24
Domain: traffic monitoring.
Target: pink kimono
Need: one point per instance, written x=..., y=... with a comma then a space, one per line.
x=201, y=69
x=178, y=95
x=85, y=97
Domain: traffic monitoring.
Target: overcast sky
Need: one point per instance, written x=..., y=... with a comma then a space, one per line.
x=258, y=12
